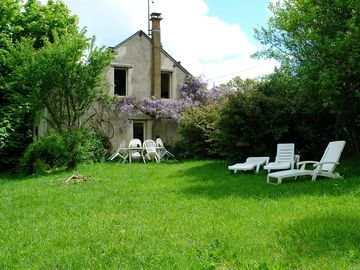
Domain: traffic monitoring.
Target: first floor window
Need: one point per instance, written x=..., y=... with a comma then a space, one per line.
x=165, y=84
x=120, y=81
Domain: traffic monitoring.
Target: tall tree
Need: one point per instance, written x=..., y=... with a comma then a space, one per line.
x=63, y=77
x=24, y=20
x=319, y=41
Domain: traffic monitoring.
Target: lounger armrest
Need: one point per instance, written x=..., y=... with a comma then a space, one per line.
x=320, y=164
x=304, y=163
x=328, y=162
x=307, y=162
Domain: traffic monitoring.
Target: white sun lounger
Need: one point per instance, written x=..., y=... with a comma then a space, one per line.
x=285, y=158
x=325, y=167
x=250, y=164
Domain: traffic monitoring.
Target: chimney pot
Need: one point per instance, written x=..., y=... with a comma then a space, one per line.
x=155, y=15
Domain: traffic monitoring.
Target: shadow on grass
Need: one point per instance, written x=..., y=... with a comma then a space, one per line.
x=18, y=176
x=331, y=237
x=13, y=177
x=350, y=168
x=215, y=181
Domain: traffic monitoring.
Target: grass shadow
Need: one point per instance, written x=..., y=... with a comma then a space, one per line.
x=330, y=238
x=213, y=180
x=6, y=178
x=13, y=177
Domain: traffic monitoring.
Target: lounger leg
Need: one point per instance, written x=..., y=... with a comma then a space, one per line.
x=278, y=181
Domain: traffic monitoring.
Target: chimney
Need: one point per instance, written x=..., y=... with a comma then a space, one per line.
x=156, y=55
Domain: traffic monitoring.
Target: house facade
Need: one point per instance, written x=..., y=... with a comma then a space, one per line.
x=143, y=69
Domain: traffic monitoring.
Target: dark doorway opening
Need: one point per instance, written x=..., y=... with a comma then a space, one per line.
x=138, y=131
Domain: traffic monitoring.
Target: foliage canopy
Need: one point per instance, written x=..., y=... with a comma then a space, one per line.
x=20, y=20
x=47, y=64
x=318, y=41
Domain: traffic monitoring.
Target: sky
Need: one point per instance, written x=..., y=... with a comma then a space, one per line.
x=211, y=38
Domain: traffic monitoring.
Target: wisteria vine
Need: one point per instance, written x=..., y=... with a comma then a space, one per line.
x=193, y=93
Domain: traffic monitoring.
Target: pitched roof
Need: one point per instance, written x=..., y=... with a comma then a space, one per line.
x=142, y=33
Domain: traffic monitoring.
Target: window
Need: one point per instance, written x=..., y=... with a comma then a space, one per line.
x=138, y=130
x=165, y=84
x=120, y=81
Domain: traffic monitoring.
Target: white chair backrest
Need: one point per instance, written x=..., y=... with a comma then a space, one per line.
x=332, y=154
x=285, y=152
x=150, y=146
x=135, y=143
x=119, y=151
x=159, y=142
x=121, y=146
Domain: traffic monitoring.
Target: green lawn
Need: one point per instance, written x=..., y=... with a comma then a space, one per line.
x=190, y=215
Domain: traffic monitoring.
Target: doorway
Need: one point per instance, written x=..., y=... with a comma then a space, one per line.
x=138, y=130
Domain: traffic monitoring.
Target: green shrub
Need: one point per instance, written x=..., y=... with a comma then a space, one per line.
x=63, y=150
x=254, y=121
x=15, y=137
x=83, y=145
x=195, y=128
x=41, y=167
x=244, y=128
x=87, y=145
x=46, y=153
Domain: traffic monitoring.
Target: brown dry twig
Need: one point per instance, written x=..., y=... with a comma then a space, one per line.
x=75, y=178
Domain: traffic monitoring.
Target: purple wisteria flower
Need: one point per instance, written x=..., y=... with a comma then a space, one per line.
x=193, y=93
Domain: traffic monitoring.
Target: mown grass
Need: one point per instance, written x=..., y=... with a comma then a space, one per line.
x=190, y=215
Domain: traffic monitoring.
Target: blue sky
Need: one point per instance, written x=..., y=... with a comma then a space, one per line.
x=211, y=38
x=249, y=14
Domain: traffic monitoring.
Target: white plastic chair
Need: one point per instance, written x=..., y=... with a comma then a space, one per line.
x=285, y=158
x=135, y=150
x=251, y=163
x=150, y=150
x=161, y=149
x=120, y=151
x=325, y=167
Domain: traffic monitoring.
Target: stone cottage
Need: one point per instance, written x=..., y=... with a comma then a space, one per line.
x=143, y=69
